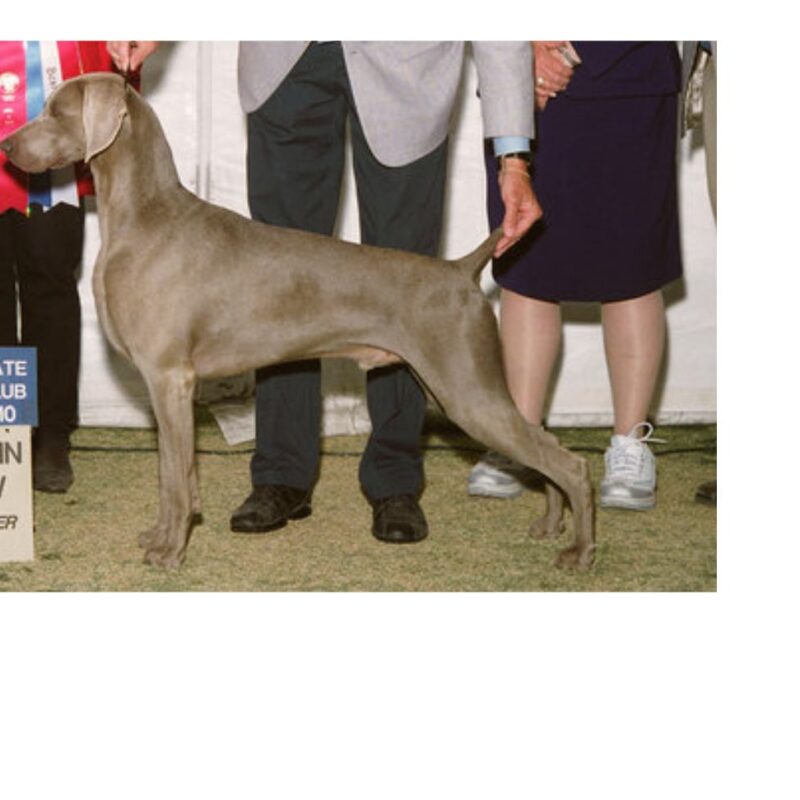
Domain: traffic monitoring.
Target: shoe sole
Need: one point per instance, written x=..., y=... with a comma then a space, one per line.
x=399, y=538
x=53, y=484
x=58, y=489
x=628, y=505
x=480, y=491
x=300, y=513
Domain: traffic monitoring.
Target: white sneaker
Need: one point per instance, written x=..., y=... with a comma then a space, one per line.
x=630, y=479
x=496, y=476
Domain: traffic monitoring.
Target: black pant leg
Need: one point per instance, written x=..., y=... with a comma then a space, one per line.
x=295, y=159
x=399, y=207
x=8, y=282
x=49, y=247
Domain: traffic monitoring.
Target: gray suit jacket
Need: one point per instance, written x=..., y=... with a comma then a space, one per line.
x=405, y=91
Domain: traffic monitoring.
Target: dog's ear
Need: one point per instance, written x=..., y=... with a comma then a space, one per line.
x=104, y=109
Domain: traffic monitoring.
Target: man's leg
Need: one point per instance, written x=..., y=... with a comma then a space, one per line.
x=399, y=207
x=295, y=157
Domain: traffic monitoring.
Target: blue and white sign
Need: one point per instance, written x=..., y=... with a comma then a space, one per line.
x=18, y=413
x=18, y=402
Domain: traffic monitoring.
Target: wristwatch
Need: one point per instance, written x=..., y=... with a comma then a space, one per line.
x=522, y=156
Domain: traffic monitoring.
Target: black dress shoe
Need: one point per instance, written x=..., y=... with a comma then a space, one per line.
x=398, y=519
x=269, y=508
x=707, y=493
x=52, y=471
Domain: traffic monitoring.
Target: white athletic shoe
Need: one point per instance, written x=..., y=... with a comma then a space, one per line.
x=496, y=476
x=630, y=479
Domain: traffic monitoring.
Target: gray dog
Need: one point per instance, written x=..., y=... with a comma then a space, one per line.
x=284, y=295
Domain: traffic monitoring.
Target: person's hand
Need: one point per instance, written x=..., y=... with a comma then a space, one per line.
x=520, y=203
x=129, y=56
x=550, y=73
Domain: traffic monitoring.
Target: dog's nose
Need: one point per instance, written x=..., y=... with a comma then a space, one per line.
x=6, y=146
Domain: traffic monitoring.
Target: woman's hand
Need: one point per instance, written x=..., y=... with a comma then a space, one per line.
x=551, y=74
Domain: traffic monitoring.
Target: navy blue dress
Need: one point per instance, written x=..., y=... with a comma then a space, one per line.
x=605, y=175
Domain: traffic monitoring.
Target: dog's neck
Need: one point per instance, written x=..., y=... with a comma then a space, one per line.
x=136, y=173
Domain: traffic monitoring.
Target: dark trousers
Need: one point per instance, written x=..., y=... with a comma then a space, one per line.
x=295, y=160
x=39, y=259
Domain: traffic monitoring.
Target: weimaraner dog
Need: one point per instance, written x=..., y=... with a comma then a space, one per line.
x=188, y=290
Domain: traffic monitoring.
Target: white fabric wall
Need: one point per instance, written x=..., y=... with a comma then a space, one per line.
x=192, y=87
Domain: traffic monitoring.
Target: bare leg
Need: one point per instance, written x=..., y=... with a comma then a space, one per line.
x=633, y=333
x=530, y=331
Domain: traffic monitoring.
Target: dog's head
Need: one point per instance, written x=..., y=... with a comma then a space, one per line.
x=80, y=120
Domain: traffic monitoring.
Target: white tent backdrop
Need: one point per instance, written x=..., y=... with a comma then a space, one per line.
x=192, y=87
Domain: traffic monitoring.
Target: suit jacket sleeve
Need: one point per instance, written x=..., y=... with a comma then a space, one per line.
x=505, y=85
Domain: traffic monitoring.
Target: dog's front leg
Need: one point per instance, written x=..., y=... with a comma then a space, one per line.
x=171, y=395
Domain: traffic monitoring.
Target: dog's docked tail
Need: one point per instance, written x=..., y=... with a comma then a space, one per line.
x=473, y=263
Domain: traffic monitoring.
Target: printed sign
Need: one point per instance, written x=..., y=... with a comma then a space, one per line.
x=16, y=495
x=18, y=412
x=18, y=404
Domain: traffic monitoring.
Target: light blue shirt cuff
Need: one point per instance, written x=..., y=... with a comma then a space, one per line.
x=511, y=144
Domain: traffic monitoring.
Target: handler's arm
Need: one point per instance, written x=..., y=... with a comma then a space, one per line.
x=505, y=81
x=129, y=56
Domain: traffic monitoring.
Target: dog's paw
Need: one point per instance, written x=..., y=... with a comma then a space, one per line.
x=164, y=557
x=153, y=537
x=544, y=528
x=576, y=557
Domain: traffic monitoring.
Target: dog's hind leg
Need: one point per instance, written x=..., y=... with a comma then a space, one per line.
x=534, y=447
x=506, y=430
x=171, y=395
x=551, y=524
x=470, y=385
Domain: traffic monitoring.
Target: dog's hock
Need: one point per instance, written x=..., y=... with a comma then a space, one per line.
x=104, y=109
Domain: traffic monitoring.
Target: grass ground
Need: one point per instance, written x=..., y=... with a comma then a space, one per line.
x=86, y=540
